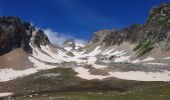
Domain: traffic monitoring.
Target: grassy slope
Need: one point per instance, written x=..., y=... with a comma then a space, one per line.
x=156, y=93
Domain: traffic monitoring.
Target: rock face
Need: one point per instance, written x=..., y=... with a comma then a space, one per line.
x=15, y=33
x=69, y=43
x=41, y=38
x=156, y=29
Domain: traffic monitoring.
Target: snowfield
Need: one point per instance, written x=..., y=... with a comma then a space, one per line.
x=84, y=73
x=131, y=75
x=142, y=76
x=45, y=54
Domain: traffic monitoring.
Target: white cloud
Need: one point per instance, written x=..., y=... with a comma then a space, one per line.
x=59, y=38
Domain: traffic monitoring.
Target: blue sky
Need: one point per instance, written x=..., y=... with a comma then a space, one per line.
x=79, y=18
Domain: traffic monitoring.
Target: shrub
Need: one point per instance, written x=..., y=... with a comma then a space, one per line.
x=143, y=48
x=137, y=47
x=145, y=51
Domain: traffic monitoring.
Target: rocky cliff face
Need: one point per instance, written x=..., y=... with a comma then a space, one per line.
x=41, y=38
x=15, y=33
x=156, y=29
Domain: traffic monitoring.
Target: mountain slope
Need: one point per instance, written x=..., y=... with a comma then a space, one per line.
x=155, y=32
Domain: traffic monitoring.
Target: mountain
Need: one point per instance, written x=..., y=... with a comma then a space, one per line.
x=70, y=44
x=14, y=34
x=155, y=32
x=138, y=53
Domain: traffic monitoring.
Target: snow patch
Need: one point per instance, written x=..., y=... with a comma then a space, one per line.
x=94, y=52
x=79, y=45
x=107, y=52
x=131, y=75
x=5, y=94
x=122, y=59
x=84, y=73
x=10, y=74
x=142, y=76
x=166, y=58
x=43, y=57
x=159, y=64
x=148, y=59
x=68, y=48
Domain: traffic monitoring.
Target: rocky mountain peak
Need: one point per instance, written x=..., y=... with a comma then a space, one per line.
x=14, y=34
x=69, y=43
x=41, y=38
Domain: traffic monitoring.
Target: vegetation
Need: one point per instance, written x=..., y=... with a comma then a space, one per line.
x=137, y=47
x=143, y=48
x=67, y=86
x=154, y=93
x=161, y=21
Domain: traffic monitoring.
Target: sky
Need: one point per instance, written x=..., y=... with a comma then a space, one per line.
x=78, y=19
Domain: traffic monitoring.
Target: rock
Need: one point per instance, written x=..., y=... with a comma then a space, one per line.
x=14, y=34
x=41, y=38
x=156, y=29
x=30, y=96
x=69, y=43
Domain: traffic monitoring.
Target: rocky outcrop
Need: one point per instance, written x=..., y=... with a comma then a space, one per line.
x=14, y=34
x=69, y=43
x=41, y=38
x=99, y=36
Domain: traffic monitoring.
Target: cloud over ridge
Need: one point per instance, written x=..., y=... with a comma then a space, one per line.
x=59, y=38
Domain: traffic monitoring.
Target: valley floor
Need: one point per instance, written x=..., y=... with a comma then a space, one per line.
x=62, y=84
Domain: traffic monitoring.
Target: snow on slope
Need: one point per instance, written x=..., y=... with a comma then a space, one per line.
x=43, y=57
x=45, y=54
x=4, y=94
x=9, y=73
x=79, y=45
x=131, y=75
x=94, y=52
x=68, y=48
x=142, y=76
x=38, y=58
x=84, y=73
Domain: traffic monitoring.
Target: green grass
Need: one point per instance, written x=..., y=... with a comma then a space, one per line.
x=154, y=93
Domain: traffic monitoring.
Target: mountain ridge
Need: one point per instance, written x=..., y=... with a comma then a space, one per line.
x=156, y=29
